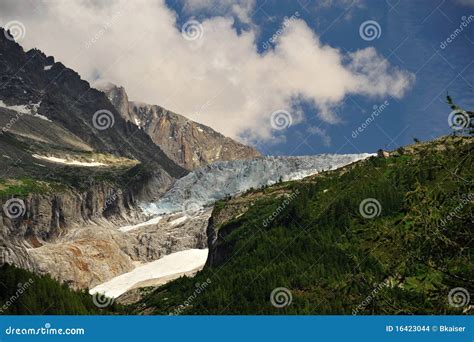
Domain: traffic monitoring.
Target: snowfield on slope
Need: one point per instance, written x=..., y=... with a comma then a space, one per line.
x=68, y=162
x=155, y=273
x=204, y=186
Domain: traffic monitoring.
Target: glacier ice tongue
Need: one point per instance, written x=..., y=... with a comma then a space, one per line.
x=204, y=186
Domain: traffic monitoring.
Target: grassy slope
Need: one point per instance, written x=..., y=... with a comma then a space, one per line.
x=330, y=257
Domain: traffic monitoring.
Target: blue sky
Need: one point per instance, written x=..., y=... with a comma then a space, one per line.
x=215, y=62
x=411, y=35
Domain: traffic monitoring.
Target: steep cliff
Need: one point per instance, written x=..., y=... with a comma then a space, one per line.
x=188, y=143
x=38, y=92
x=71, y=170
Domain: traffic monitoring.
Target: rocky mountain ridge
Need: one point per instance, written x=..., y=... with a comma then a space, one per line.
x=71, y=170
x=56, y=94
x=188, y=143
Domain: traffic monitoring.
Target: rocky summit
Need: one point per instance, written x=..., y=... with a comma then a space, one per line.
x=188, y=143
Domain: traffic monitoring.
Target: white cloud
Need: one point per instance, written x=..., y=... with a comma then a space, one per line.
x=220, y=80
x=241, y=9
x=326, y=139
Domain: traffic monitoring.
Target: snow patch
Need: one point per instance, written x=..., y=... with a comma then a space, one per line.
x=137, y=122
x=154, y=220
x=29, y=109
x=155, y=273
x=67, y=162
x=23, y=109
x=178, y=221
x=42, y=117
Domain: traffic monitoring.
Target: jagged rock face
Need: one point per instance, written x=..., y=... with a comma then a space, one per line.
x=118, y=97
x=189, y=144
x=31, y=79
x=75, y=236
x=70, y=231
x=48, y=218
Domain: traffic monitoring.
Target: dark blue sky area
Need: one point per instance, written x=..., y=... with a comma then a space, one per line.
x=411, y=37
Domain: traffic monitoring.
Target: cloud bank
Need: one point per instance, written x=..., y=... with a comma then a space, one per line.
x=210, y=73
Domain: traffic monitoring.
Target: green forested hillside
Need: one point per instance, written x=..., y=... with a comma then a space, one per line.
x=331, y=258
x=314, y=239
x=25, y=293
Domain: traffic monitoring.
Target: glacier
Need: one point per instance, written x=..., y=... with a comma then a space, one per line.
x=202, y=187
x=190, y=199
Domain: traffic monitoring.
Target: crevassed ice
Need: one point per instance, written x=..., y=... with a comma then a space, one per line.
x=204, y=186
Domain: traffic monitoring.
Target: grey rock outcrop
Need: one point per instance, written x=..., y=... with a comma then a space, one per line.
x=188, y=143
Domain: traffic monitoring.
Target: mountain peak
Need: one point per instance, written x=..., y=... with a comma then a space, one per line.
x=188, y=143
